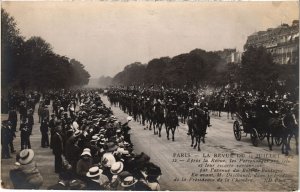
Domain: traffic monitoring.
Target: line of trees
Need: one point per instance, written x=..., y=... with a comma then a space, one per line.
x=32, y=64
x=200, y=68
x=195, y=68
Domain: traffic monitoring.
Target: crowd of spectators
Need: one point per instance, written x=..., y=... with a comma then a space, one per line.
x=91, y=148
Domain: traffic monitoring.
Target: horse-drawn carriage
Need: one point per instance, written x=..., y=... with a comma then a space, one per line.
x=249, y=123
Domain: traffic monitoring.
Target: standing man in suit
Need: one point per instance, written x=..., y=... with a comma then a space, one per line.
x=30, y=120
x=13, y=118
x=44, y=131
x=58, y=148
x=52, y=125
x=25, y=134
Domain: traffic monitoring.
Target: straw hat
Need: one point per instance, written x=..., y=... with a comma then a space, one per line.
x=108, y=159
x=102, y=131
x=26, y=156
x=77, y=133
x=94, y=172
x=95, y=138
x=122, y=151
x=102, y=141
x=129, y=118
x=128, y=181
x=117, y=168
x=118, y=131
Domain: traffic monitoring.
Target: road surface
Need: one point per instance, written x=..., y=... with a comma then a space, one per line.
x=43, y=156
x=220, y=140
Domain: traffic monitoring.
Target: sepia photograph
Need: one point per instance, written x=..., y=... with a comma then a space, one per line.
x=137, y=95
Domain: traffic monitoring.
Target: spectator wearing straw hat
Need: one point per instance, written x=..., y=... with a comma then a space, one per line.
x=107, y=161
x=116, y=169
x=96, y=180
x=95, y=149
x=26, y=174
x=129, y=183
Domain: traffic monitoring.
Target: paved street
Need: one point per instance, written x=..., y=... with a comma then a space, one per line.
x=220, y=140
x=43, y=156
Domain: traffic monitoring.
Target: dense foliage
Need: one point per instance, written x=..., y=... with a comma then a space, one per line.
x=259, y=72
x=32, y=64
x=200, y=68
x=192, y=68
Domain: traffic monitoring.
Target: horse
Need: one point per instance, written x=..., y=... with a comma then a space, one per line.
x=275, y=129
x=184, y=111
x=290, y=122
x=271, y=124
x=197, y=125
x=159, y=118
x=230, y=107
x=171, y=123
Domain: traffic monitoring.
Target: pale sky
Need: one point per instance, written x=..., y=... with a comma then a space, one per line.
x=107, y=36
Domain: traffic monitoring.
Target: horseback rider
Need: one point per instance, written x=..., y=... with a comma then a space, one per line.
x=192, y=114
x=172, y=122
x=204, y=106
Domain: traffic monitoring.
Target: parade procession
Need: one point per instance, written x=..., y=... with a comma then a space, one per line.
x=148, y=97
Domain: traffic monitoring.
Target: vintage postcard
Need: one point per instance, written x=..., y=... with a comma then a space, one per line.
x=150, y=95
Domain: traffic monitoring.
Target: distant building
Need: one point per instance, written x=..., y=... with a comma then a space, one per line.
x=230, y=55
x=282, y=42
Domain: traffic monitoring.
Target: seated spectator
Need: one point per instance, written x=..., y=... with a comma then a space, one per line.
x=26, y=174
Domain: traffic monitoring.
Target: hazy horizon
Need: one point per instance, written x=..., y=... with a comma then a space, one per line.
x=107, y=36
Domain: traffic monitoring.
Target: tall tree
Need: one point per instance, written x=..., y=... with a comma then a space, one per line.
x=132, y=74
x=258, y=71
x=36, y=63
x=11, y=49
x=81, y=76
x=33, y=64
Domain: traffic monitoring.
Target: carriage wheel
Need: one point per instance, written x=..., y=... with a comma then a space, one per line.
x=237, y=131
x=254, y=137
x=278, y=141
x=261, y=136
